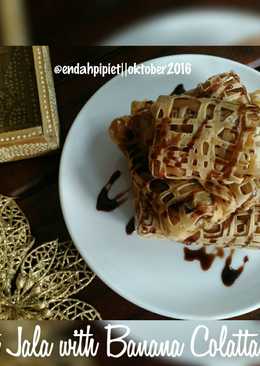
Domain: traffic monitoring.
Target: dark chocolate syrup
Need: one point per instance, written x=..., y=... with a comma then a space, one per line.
x=158, y=186
x=205, y=259
x=104, y=203
x=130, y=227
x=178, y=90
x=230, y=275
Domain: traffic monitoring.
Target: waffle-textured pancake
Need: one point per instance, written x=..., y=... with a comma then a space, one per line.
x=226, y=86
x=204, y=139
x=167, y=208
x=209, y=192
x=174, y=209
x=255, y=97
x=241, y=229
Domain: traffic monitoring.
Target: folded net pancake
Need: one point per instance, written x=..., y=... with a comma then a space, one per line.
x=134, y=131
x=241, y=229
x=204, y=139
x=184, y=209
x=131, y=133
x=226, y=86
x=255, y=97
x=179, y=208
x=174, y=209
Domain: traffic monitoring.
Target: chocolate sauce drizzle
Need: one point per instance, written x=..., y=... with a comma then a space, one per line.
x=205, y=259
x=130, y=227
x=104, y=203
x=178, y=90
x=230, y=275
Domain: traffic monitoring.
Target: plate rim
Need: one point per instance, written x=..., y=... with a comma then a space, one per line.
x=115, y=38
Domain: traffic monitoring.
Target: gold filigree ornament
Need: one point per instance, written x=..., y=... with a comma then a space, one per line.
x=36, y=283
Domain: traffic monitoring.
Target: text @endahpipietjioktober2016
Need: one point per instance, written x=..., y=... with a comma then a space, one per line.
x=124, y=69
x=200, y=343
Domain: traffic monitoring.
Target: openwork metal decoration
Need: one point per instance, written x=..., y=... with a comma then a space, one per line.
x=29, y=123
x=37, y=283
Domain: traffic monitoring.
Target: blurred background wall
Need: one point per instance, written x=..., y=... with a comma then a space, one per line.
x=90, y=22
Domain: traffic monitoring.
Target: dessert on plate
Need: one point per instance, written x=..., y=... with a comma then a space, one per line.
x=194, y=160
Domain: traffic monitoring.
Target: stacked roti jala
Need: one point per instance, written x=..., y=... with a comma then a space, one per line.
x=194, y=160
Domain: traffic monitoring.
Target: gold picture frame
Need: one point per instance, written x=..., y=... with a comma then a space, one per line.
x=29, y=123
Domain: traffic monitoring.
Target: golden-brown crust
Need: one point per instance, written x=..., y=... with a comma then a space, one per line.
x=184, y=190
x=226, y=86
x=204, y=139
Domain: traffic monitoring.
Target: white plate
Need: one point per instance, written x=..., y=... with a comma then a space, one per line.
x=148, y=272
x=191, y=27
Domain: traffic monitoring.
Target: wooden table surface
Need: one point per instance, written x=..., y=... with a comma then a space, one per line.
x=41, y=204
